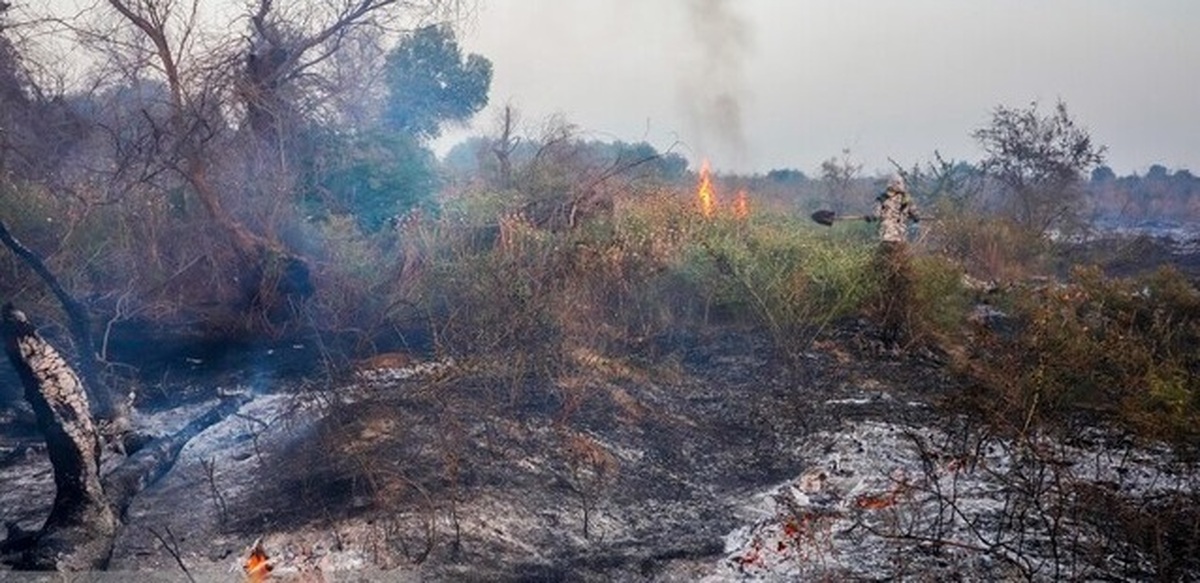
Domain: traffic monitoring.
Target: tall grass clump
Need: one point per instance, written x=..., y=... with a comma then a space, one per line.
x=940, y=302
x=775, y=271
x=793, y=278
x=650, y=269
x=359, y=274
x=989, y=247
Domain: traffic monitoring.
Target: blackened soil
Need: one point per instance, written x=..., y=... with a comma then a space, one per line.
x=615, y=467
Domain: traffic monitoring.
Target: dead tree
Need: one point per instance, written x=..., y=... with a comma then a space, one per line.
x=291, y=49
x=86, y=514
x=261, y=257
x=505, y=145
x=104, y=406
x=79, y=532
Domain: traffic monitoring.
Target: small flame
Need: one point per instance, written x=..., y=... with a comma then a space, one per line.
x=258, y=566
x=705, y=192
x=741, y=205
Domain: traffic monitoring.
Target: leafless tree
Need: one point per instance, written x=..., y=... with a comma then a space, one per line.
x=506, y=144
x=839, y=175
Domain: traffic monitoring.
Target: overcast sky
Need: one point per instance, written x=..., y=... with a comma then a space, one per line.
x=761, y=84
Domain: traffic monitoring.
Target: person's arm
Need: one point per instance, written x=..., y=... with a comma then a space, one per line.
x=877, y=214
x=910, y=208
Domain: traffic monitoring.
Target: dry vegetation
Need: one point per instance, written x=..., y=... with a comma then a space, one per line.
x=526, y=300
x=570, y=262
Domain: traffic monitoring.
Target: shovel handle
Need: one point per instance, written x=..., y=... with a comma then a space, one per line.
x=827, y=218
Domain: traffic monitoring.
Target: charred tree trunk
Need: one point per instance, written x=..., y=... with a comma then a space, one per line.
x=87, y=510
x=504, y=147
x=153, y=461
x=265, y=109
x=79, y=532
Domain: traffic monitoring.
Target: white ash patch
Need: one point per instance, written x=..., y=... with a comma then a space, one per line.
x=874, y=504
x=27, y=480
x=413, y=371
x=854, y=401
x=266, y=415
x=215, y=469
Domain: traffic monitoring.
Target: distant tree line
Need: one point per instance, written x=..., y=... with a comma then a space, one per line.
x=1160, y=194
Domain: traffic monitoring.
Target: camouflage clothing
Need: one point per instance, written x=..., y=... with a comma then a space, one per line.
x=896, y=208
x=894, y=303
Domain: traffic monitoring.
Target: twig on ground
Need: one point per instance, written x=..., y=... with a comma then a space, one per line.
x=254, y=434
x=210, y=469
x=172, y=548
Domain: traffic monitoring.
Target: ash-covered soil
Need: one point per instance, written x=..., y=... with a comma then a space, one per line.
x=703, y=456
x=626, y=468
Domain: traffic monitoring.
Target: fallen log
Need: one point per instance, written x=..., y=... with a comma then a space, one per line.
x=156, y=458
x=87, y=511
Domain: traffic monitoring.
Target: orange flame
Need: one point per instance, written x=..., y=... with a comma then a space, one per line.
x=741, y=205
x=258, y=566
x=705, y=192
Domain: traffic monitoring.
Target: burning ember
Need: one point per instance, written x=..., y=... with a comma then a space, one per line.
x=258, y=566
x=705, y=192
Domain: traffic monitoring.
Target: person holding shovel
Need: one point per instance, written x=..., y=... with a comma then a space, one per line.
x=895, y=209
x=893, y=304
x=892, y=262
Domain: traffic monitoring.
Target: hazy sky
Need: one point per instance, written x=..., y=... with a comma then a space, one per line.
x=761, y=84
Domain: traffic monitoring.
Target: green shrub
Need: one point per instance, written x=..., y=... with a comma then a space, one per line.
x=654, y=266
x=372, y=177
x=778, y=272
x=941, y=303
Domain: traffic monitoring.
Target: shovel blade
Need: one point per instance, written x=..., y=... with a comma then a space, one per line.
x=824, y=217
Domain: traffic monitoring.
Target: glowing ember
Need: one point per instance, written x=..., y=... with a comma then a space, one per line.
x=258, y=566
x=705, y=192
x=741, y=205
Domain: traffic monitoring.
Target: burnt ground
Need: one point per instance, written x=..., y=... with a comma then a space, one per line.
x=614, y=468
x=1138, y=255
x=590, y=467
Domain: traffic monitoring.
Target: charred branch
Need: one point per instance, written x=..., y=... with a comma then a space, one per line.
x=154, y=460
x=104, y=406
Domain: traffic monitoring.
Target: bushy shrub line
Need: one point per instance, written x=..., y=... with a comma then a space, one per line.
x=1094, y=346
x=482, y=277
x=653, y=267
